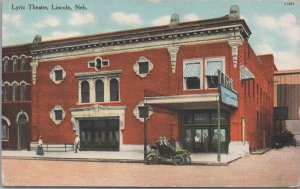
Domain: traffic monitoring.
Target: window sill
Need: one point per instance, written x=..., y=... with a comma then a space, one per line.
x=5, y=140
x=100, y=103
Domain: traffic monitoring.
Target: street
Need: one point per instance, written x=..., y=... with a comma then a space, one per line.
x=279, y=168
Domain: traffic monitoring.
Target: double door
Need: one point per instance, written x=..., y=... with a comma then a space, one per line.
x=205, y=139
x=99, y=135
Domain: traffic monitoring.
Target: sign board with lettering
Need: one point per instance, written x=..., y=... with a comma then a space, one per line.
x=228, y=96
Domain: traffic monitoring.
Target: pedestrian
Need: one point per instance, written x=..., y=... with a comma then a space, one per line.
x=76, y=143
x=40, y=150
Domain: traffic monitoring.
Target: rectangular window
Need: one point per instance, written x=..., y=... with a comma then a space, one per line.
x=142, y=112
x=58, y=75
x=105, y=63
x=58, y=114
x=192, y=75
x=211, y=73
x=143, y=67
x=91, y=64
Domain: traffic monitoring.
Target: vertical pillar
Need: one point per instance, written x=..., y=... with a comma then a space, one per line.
x=219, y=132
x=145, y=132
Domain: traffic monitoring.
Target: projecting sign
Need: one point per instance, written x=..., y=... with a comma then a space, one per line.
x=228, y=96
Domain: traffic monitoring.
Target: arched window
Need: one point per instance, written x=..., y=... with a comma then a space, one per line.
x=99, y=91
x=5, y=92
x=5, y=65
x=14, y=64
x=23, y=63
x=5, y=130
x=14, y=89
x=85, y=92
x=22, y=95
x=114, y=90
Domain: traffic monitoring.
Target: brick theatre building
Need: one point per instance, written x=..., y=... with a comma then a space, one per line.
x=96, y=86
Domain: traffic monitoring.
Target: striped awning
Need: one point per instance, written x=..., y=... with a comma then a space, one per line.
x=213, y=67
x=245, y=73
x=192, y=70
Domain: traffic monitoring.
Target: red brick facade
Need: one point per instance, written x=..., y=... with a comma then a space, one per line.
x=255, y=95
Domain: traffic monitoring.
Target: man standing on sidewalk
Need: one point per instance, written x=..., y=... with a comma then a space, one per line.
x=76, y=143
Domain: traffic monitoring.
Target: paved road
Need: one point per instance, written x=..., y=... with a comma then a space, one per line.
x=279, y=168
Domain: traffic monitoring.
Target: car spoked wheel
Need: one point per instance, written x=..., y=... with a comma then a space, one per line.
x=178, y=160
x=152, y=159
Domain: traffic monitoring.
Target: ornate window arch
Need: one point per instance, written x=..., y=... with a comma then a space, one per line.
x=22, y=113
x=57, y=114
x=14, y=90
x=139, y=111
x=142, y=67
x=99, y=89
x=5, y=93
x=114, y=89
x=85, y=91
x=23, y=90
x=15, y=63
x=57, y=74
x=5, y=128
x=22, y=62
x=5, y=64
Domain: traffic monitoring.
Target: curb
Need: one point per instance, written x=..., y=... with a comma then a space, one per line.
x=111, y=160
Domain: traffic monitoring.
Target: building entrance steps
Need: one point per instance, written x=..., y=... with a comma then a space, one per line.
x=101, y=156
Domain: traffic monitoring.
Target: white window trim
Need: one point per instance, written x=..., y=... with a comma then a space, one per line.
x=91, y=77
x=22, y=62
x=136, y=111
x=52, y=114
x=102, y=66
x=209, y=59
x=7, y=65
x=136, y=67
x=13, y=92
x=13, y=58
x=194, y=60
x=8, y=125
x=52, y=74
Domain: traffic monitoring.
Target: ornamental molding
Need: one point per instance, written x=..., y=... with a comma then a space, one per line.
x=136, y=111
x=234, y=43
x=34, y=64
x=136, y=42
x=52, y=114
x=136, y=67
x=173, y=50
x=95, y=75
x=97, y=111
x=52, y=74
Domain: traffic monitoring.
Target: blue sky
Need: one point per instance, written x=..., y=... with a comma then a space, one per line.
x=275, y=26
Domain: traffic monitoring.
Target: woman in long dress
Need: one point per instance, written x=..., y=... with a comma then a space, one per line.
x=40, y=150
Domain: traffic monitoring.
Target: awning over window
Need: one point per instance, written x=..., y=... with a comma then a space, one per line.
x=213, y=67
x=192, y=70
x=245, y=73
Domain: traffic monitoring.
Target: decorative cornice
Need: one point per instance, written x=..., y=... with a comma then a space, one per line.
x=123, y=42
x=100, y=74
x=97, y=107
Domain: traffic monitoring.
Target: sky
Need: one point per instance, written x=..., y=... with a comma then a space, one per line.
x=275, y=24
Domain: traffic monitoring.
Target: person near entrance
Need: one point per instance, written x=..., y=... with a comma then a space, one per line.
x=197, y=142
x=76, y=143
x=40, y=150
x=206, y=140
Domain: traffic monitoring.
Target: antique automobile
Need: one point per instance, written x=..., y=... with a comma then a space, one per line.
x=165, y=151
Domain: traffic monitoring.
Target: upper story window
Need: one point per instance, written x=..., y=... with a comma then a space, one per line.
x=5, y=130
x=14, y=64
x=5, y=65
x=5, y=92
x=192, y=70
x=211, y=71
x=85, y=92
x=22, y=68
x=14, y=91
x=99, y=90
x=98, y=86
x=140, y=113
x=114, y=90
x=142, y=67
x=57, y=114
x=57, y=74
x=22, y=90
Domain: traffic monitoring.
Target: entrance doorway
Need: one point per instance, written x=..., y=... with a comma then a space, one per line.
x=99, y=134
x=22, y=128
x=199, y=131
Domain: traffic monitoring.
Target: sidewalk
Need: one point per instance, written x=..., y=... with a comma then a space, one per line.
x=101, y=156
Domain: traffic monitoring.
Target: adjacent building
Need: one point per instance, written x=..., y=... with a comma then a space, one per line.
x=287, y=96
x=96, y=86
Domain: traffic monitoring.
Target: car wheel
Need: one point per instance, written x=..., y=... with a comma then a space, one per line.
x=178, y=160
x=152, y=159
